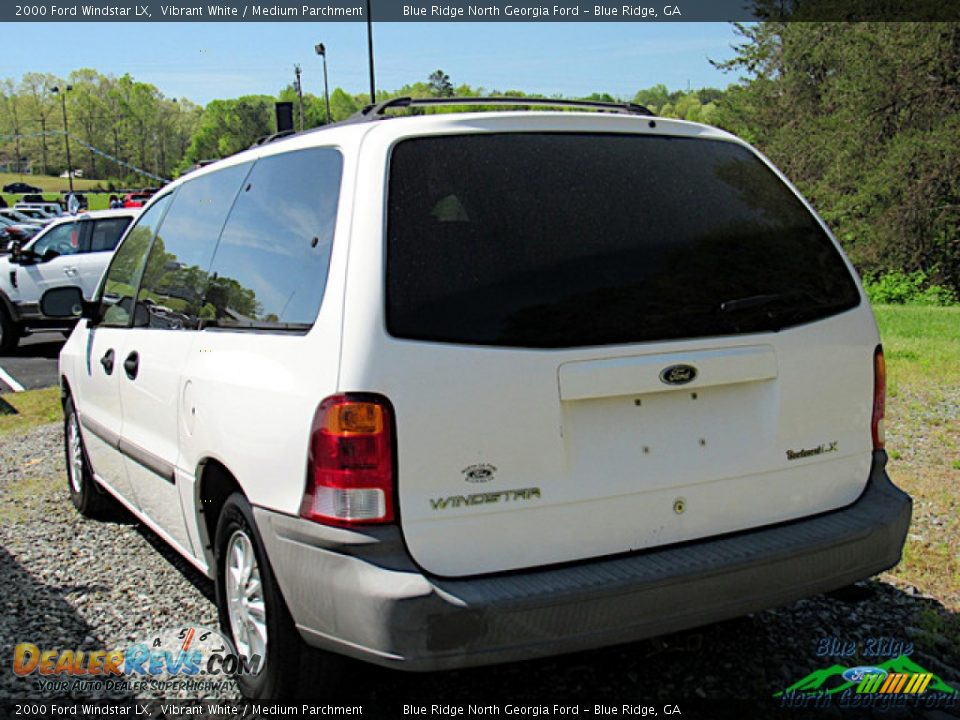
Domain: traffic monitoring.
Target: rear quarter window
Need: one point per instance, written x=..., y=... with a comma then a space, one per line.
x=270, y=267
x=564, y=240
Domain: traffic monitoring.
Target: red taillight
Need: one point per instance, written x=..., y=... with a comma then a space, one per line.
x=879, y=398
x=350, y=467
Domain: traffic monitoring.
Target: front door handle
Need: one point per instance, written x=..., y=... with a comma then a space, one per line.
x=132, y=365
x=107, y=362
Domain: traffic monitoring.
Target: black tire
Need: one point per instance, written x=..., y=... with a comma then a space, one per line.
x=9, y=332
x=86, y=496
x=291, y=668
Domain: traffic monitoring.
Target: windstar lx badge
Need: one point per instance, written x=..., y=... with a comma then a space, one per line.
x=821, y=449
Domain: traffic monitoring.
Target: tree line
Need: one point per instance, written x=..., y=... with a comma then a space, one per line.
x=124, y=118
x=863, y=117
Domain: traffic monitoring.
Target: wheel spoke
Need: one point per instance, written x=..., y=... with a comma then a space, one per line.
x=246, y=605
x=258, y=640
x=257, y=611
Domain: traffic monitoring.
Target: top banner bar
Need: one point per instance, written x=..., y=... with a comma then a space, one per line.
x=483, y=11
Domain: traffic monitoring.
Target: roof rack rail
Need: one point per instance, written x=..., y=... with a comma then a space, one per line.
x=378, y=111
x=266, y=139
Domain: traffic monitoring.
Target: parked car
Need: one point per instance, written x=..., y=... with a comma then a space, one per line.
x=34, y=199
x=72, y=250
x=18, y=216
x=33, y=214
x=49, y=209
x=20, y=187
x=135, y=199
x=458, y=389
x=12, y=231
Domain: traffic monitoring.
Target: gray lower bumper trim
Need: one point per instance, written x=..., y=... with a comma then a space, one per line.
x=360, y=594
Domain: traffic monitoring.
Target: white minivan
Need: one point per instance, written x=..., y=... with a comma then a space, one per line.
x=452, y=389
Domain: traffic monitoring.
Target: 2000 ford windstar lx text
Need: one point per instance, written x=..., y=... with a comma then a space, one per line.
x=455, y=389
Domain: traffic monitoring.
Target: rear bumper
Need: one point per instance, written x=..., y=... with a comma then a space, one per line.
x=360, y=594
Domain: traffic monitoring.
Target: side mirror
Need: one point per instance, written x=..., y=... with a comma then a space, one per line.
x=66, y=302
x=20, y=256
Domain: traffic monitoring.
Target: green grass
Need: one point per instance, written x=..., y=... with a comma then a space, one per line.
x=95, y=201
x=34, y=407
x=52, y=188
x=49, y=183
x=920, y=344
x=922, y=350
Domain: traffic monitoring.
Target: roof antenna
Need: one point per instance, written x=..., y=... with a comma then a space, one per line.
x=373, y=87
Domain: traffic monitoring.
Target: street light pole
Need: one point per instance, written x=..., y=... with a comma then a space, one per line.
x=373, y=87
x=322, y=52
x=66, y=129
x=296, y=69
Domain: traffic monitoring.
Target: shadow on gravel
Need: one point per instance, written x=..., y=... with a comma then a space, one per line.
x=34, y=612
x=201, y=582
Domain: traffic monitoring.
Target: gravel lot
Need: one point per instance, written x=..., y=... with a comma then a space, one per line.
x=70, y=582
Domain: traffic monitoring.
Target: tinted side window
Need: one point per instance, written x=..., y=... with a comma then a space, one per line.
x=123, y=275
x=175, y=278
x=270, y=268
x=107, y=232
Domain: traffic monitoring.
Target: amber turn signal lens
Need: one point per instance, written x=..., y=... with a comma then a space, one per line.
x=354, y=418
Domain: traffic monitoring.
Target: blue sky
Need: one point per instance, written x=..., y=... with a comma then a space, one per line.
x=204, y=61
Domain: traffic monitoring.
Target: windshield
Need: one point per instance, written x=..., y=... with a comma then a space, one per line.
x=561, y=240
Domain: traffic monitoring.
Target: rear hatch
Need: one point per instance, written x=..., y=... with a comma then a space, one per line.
x=598, y=343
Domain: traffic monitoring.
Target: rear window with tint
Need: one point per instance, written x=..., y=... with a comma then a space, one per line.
x=563, y=240
x=106, y=233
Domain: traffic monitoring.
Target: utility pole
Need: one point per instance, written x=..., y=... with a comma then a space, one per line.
x=296, y=70
x=373, y=86
x=66, y=129
x=322, y=52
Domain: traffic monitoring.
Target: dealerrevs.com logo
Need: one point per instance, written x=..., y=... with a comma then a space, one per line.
x=190, y=657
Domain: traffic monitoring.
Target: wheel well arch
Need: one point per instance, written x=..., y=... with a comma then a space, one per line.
x=215, y=483
x=65, y=390
x=9, y=306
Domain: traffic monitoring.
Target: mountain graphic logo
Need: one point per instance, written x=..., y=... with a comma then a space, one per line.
x=899, y=675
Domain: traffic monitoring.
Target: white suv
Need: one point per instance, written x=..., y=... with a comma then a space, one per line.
x=456, y=389
x=74, y=249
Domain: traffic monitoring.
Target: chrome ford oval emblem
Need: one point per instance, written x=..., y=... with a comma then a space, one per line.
x=479, y=473
x=678, y=374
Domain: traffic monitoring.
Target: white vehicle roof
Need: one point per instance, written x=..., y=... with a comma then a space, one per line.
x=351, y=134
x=96, y=215
x=91, y=215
